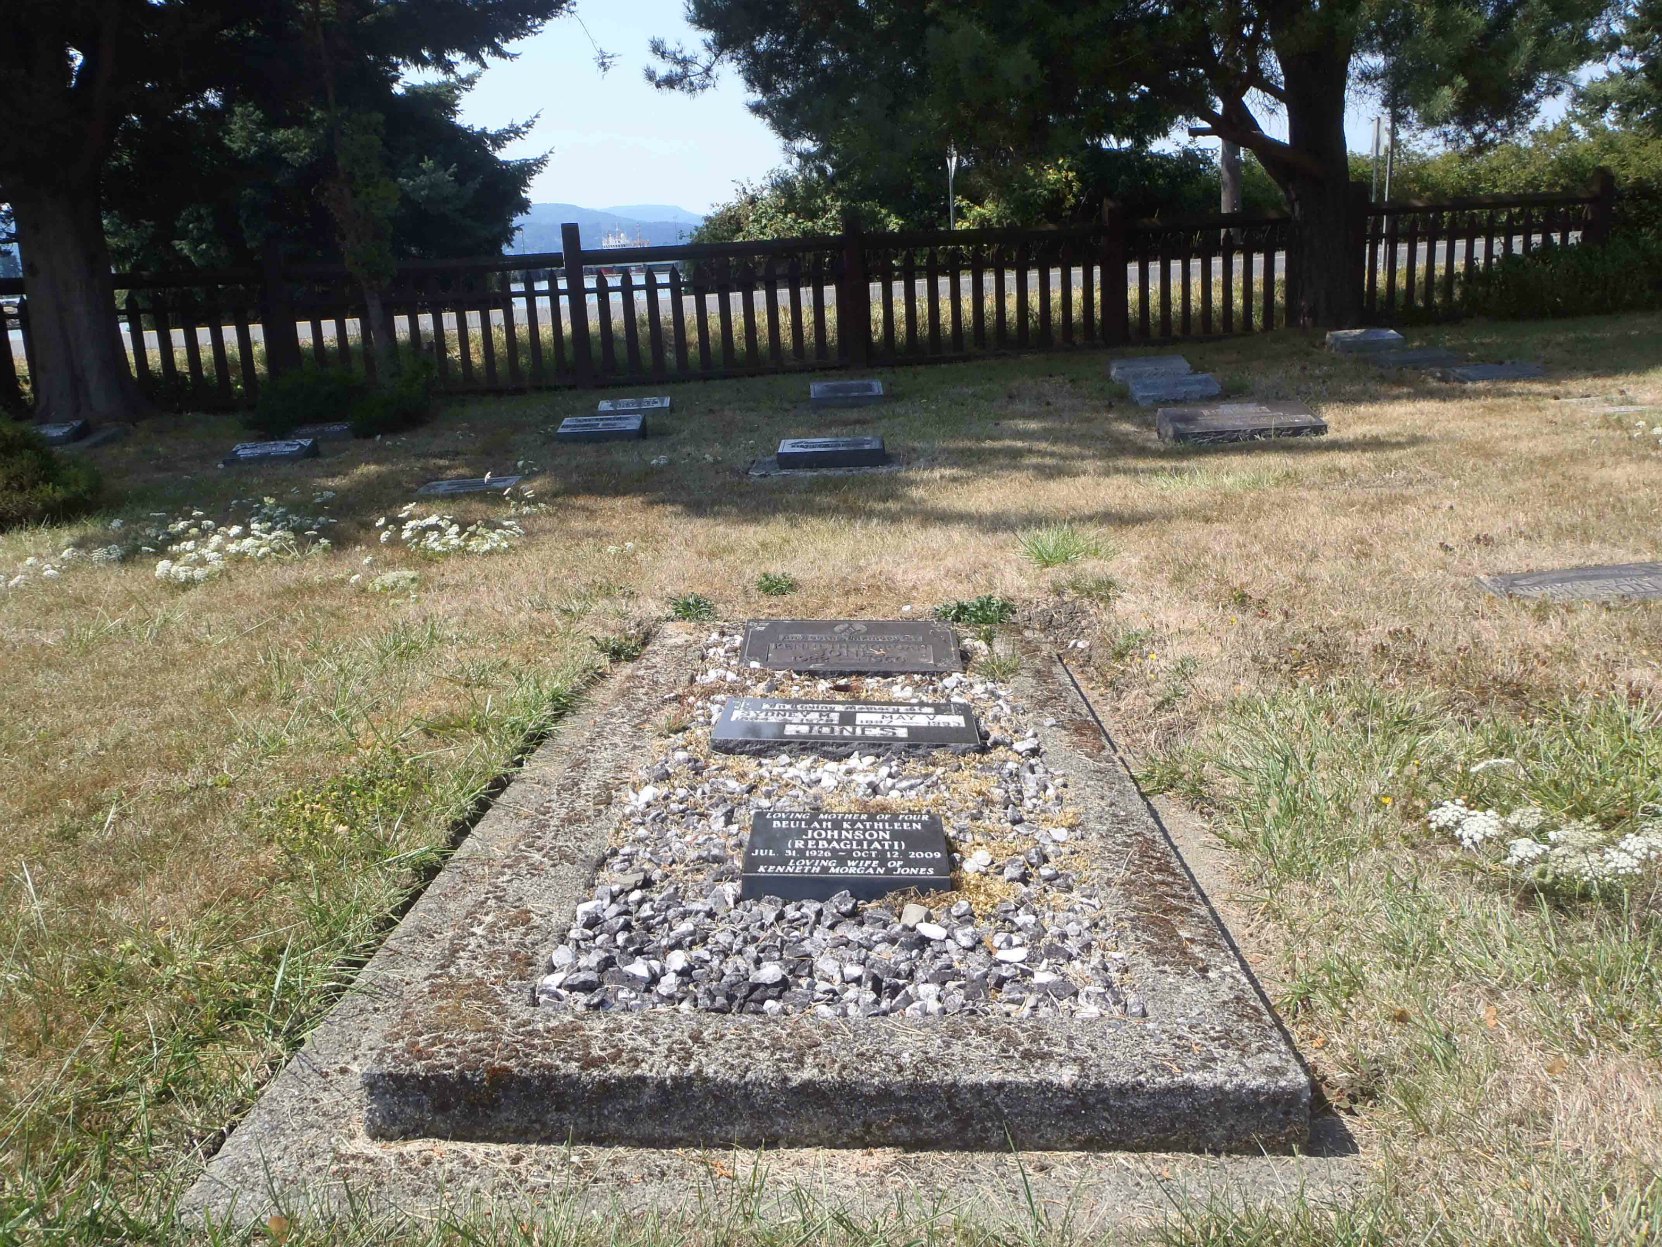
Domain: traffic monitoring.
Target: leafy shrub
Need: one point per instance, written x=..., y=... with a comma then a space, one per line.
x=327, y=395
x=1624, y=274
x=37, y=485
x=404, y=404
x=694, y=607
x=306, y=396
x=988, y=610
x=776, y=584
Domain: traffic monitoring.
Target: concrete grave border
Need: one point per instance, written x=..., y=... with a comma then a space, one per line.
x=303, y=1149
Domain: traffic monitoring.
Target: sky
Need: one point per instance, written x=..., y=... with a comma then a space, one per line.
x=616, y=140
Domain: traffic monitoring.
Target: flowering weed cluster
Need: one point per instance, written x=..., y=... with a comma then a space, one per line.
x=1555, y=852
x=441, y=534
x=200, y=549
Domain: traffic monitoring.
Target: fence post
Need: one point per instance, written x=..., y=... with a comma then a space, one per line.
x=1116, y=309
x=282, y=340
x=1601, y=208
x=853, y=296
x=571, y=260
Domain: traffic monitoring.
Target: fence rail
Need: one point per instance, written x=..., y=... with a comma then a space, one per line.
x=581, y=317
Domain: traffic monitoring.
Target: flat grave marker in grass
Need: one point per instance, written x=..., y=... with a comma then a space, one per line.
x=765, y=724
x=852, y=646
x=1512, y=370
x=845, y=393
x=1425, y=357
x=1237, y=422
x=810, y=855
x=277, y=451
x=63, y=432
x=334, y=431
x=1147, y=365
x=622, y=406
x=618, y=428
x=1613, y=582
x=831, y=452
x=1359, y=341
x=1151, y=389
x=470, y=485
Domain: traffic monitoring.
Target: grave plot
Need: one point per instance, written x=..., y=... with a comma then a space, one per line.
x=623, y=974
x=1123, y=370
x=1362, y=341
x=470, y=485
x=99, y=436
x=1614, y=582
x=618, y=428
x=845, y=393
x=625, y=406
x=1149, y=389
x=1237, y=422
x=277, y=451
x=1512, y=370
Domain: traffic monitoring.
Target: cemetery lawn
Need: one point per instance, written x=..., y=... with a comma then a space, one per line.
x=218, y=798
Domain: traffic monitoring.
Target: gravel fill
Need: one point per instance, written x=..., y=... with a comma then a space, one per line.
x=1026, y=931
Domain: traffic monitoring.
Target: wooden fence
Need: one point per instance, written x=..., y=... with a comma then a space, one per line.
x=581, y=317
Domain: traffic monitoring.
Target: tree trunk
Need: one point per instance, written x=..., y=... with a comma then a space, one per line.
x=81, y=369
x=1324, y=260
x=380, y=335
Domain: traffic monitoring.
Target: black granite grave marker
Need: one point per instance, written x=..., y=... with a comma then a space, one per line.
x=764, y=724
x=63, y=432
x=1237, y=422
x=266, y=452
x=845, y=393
x=470, y=485
x=1360, y=341
x=813, y=856
x=1639, y=581
x=831, y=452
x=622, y=406
x=620, y=428
x=852, y=646
x=335, y=431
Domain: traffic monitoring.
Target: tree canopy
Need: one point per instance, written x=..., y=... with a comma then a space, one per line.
x=872, y=84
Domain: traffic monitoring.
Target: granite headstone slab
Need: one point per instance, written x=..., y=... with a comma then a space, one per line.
x=810, y=856
x=266, y=452
x=831, y=452
x=470, y=485
x=337, y=431
x=763, y=724
x=63, y=432
x=1357, y=341
x=622, y=406
x=1582, y=584
x=1151, y=389
x=1146, y=366
x=852, y=646
x=1237, y=422
x=619, y=428
x=845, y=393
x=1514, y=370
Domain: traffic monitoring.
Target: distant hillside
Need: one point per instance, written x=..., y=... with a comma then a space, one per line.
x=539, y=229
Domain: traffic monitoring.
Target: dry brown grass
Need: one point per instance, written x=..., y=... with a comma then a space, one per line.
x=144, y=728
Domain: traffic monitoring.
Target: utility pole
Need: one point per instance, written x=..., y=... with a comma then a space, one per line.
x=1391, y=152
x=951, y=196
x=1378, y=139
